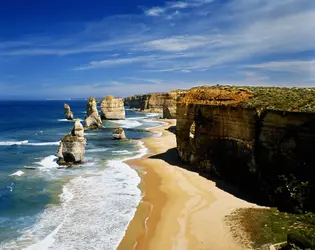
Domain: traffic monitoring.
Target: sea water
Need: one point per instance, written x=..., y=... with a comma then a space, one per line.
x=86, y=207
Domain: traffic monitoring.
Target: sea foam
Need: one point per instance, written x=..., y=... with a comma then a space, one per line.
x=26, y=142
x=95, y=211
x=48, y=162
x=17, y=173
x=10, y=143
x=44, y=143
x=128, y=123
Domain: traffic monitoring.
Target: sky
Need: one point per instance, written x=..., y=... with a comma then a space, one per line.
x=60, y=49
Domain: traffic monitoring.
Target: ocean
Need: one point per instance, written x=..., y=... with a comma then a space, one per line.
x=86, y=207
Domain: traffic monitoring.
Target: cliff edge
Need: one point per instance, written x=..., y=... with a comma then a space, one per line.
x=261, y=139
x=156, y=102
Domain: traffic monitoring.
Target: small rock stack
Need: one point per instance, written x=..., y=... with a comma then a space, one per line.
x=119, y=134
x=92, y=119
x=112, y=108
x=72, y=146
x=68, y=112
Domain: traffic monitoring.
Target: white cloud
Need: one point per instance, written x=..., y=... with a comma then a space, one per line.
x=300, y=67
x=255, y=77
x=178, y=5
x=138, y=79
x=155, y=11
x=178, y=43
x=129, y=60
x=113, y=62
x=210, y=33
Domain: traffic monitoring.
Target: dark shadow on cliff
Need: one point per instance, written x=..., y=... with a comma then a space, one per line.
x=172, y=129
x=249, y=194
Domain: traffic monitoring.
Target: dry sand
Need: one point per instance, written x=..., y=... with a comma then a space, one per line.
x=180, y=209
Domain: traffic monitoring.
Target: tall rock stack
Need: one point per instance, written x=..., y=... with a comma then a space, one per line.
x=112, y=108
x=92, y=119
x=72, y=146
x=68, y=112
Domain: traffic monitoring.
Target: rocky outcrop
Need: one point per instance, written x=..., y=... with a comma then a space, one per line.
x=72, y=146
x=112, y=108
x=119, y=134
x=92, y=119
x=156, y=102
x=258, y=146
x=68, y=112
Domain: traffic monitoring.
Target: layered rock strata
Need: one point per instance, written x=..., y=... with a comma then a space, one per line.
x=112, y=108
x=253, y=141
x=119, y=134
x=156, y=102
x=92, y=119
x=68, y=112
x=72, y=146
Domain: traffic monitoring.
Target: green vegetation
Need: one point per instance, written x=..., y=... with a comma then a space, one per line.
x=283, y=99
x=264, y=226
x=274, y=98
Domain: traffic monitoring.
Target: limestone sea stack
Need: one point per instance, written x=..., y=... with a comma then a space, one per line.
x=72, y=146
x=68, y=112
x=119, y=134
x=112, y=108
x=92, y=119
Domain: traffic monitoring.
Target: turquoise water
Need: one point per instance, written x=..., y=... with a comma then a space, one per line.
x=98, y=199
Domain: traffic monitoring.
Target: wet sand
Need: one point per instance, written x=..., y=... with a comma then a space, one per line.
x=180, y=209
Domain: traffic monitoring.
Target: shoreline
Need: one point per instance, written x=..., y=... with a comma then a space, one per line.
x=179, y=208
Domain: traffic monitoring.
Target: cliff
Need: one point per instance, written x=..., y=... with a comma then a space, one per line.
x=112, y=108
x=260, y=139
x=156, y=102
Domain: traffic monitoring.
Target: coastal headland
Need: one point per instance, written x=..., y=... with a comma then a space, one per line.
x=254, y=146
x=180, y=209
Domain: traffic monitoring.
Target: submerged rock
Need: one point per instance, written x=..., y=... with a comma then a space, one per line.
x=68, y=112
x=112, y=108
x=72, y=146
x=92, y=119
x=119, y=134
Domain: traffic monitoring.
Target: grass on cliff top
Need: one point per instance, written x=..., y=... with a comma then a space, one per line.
x=264, y=226
x=274, y=98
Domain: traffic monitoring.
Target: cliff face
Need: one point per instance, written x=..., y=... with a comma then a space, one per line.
x=270, y=152
x=112, y=108
x=156, y=102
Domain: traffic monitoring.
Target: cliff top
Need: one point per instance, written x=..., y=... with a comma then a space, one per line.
x=109, y=98
x=274, y=98
x=178, y=91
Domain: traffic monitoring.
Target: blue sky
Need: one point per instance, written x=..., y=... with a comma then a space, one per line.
x=62, y=48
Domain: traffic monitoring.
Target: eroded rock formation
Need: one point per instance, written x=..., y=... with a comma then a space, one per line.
x=251, y=140
x=92, y=119
x=156, y=102
x=68, y=112
x=112, y=108
x=72, y=146
x=119, y=134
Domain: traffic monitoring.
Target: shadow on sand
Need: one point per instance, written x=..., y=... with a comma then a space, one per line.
x=172, y=129
x=172, y=158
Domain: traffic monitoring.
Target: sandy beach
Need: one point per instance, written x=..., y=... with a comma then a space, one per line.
x=180, y=209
